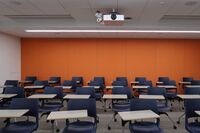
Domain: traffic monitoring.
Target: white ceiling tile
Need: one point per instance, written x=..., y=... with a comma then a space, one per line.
x=49, y=6
x=179, y=8
x=75, y=3
x=25, y=7
x=5, y=9
x=154, y=10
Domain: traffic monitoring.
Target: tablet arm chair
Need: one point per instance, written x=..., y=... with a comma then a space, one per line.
x=120, y=105
x=163, y=106
x=23, y=126
x=82, y=126
x=191, y=106
x=144, y=126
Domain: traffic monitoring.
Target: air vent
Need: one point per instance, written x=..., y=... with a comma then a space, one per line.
x=180, y=17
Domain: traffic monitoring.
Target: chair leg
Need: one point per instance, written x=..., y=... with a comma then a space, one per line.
x=57, y=129
x=113, y=117
x=179, y=118
x=174, y=124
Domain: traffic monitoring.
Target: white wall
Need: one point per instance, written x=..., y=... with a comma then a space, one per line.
x=10, y=58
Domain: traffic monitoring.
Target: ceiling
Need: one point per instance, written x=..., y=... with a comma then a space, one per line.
x=19, y=15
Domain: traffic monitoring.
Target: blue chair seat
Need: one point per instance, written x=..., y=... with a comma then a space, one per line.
x=98, y=95
x=162, y=107
x=46, y=109
x=119, y=107
x=145, y=127
x=53, y=104
x=171, y=94
x=80, y=127
x=193, y=127
x=20, y=127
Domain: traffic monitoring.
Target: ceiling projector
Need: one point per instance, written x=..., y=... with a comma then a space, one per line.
x=112, y=18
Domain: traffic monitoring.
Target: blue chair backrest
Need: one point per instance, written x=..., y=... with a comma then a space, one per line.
x=140, y=79
x=195, y=82
x=122, y=79
x=192, y=90
x=69, y=83
x=122, y=90
x=187, y=79
x=157, y=91
x=86, y=91
x=144, y=104
x=41, y=82
x=191, y=106
x=81, y=104
x=13, y=83
x=15, y=90
x=169, y=82
x=78, y=79
x=100, y=79
x=147, y=82
x=96, y=83
x=119, y=83
x=163, y=79
x=25, y=103
x=31, y=78
x=54, y=90
x=57, y=79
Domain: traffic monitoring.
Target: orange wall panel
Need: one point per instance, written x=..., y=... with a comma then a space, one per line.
x=110, y=58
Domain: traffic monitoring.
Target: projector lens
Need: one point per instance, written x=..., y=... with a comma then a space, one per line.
x=113, y=16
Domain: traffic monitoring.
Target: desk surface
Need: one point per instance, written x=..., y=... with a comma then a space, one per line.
x=197, y=112
x=184, y=83
x=192, y=86
x=159, y=82
x=67, y=114
x=76, y=96
x=111, y=87
x=114, y=96
x=157, y=97
x=14, y=113
x=167, y=86
x=42, y=96
x=4, y=86
x=34, y=87
x=52, y=82
x=96, y=87
x=65, y=87
x=189, y=96
x=134, y=82
x=25, y=81
x=78, y=82
x=7, y=95
x=138, y=115
x=140, y=86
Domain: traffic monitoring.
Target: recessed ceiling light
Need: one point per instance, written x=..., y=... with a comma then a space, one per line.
x=115, y=31
x=14, y=2
x=191, y=3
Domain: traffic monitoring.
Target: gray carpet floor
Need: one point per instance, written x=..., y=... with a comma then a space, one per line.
x=116, y=127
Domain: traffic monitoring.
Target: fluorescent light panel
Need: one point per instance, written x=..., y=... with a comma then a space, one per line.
x=113, y=31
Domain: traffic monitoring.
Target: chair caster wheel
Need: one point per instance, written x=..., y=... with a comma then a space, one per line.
x=105, y=110
x=109, y=128
x=178, y=122
x=174, y=127
x=115, y=120
x=57, y=130
x=170, y=110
